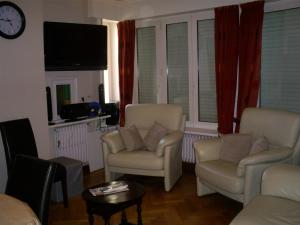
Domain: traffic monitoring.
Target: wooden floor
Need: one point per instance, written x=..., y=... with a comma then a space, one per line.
x=181, y=206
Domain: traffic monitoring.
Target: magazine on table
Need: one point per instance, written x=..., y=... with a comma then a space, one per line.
x=109, y=189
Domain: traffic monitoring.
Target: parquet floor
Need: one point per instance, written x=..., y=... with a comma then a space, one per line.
x=181, y=206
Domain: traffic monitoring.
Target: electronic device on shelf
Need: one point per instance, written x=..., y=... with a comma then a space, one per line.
x=74, y=112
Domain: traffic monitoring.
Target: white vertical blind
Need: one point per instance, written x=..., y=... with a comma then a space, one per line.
x=280, y=74
x=206, y=72
x=177, y=64
x=146, y=60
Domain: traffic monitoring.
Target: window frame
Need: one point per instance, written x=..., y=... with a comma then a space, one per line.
x=53, y=82
x=161, y=61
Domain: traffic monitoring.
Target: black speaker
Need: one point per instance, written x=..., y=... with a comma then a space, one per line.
x=112, y=110
x=49, y=104
x=101, y=95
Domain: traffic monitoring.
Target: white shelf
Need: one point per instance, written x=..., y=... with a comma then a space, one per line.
x=88, y=120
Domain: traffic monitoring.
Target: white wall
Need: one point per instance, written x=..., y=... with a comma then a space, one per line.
x=22, y=75
x=22, y=80
x=73, y=11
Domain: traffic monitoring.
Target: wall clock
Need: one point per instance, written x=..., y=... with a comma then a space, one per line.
x=12, y=20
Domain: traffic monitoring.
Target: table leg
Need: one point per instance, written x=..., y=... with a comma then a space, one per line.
x=123, y=218
x=139, y=212
x=106, y=220
x=91, y=219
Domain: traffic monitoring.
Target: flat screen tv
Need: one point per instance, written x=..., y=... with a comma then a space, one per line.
x=69, y=46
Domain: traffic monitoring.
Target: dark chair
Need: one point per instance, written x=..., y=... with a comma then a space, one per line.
x=30, y=180
x=18, y=138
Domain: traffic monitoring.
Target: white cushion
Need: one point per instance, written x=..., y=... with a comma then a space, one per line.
x=131, y=138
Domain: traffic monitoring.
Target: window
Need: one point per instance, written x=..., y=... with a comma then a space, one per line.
x=206, y=72
x=146, y=61
x=280, y=80
x=111, y=75
x=178, y=65
x=175, y=64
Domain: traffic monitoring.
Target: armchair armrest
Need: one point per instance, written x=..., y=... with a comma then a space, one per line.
x=208, y=149
x=282, y=181
x=170, y=139
x=268, y=156
x=114, y=141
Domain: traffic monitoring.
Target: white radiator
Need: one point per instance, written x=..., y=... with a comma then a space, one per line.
x=71, y=141
x=188, y=154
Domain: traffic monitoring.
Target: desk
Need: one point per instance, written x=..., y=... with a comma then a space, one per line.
x=16, y=212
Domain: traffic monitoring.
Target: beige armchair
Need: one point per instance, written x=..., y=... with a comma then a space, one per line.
x=241, y=181
x=118, y=161
x=279, y=201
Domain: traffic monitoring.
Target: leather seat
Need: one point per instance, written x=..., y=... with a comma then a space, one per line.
x=241, y=181
x=279, y=201
x=18, y=138
x=30, y=181
x=118, y=161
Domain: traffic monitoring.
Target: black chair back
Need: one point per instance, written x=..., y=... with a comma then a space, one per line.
x=18, y=138
x=30, y=180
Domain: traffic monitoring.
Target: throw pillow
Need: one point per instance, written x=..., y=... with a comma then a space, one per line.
x=131, y=138
x=235, y=147
x=258, y=145
x=154, y=135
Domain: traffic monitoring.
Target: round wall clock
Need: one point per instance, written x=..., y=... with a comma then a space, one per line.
x=12, y=20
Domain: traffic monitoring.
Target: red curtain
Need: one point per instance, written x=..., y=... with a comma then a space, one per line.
x=251, y=22
x=226, y=55
x=126, y=34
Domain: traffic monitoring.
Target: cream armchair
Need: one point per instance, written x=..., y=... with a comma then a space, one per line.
x=279, y=201
x=118, y=161
x=241, y=181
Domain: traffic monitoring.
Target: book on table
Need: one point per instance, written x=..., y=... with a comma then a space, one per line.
x=109, y=189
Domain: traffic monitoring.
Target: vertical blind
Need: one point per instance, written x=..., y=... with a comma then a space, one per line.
x=280, y=74
x=177, y=64
x=206, y=72
x=146, y=60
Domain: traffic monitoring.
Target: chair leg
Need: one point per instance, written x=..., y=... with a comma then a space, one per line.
x=65, y=192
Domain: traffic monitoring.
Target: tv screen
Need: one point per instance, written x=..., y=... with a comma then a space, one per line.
x=69, y=46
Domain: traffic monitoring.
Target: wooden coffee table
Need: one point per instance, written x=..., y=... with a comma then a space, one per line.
x=107, y=205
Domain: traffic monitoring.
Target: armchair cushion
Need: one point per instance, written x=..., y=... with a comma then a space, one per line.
x=154, y=135
x=142, y=159
x=267, y=210
x=282, y=181
x=114, y=141
x=235, y=147
x=131, y=138
x=206, y=150
x=259, y=144
x=279, y=201
x=222, y=174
